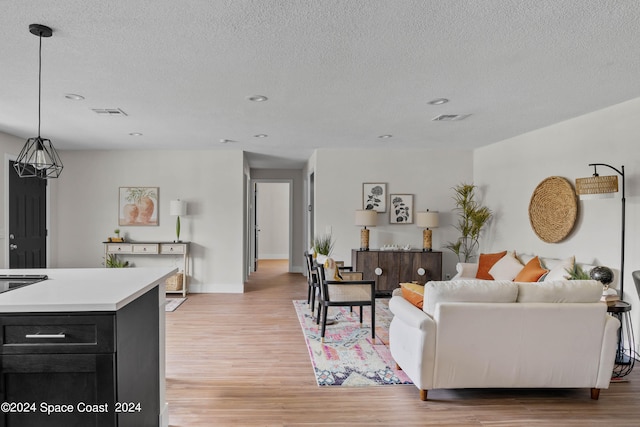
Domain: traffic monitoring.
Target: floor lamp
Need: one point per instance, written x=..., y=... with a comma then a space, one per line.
x=599, y=187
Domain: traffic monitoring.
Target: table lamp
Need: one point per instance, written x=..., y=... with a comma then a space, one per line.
x=426, y=220
x=365, y=218
x=177, y=208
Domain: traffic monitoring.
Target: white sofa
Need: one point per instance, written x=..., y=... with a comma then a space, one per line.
x=503, y=334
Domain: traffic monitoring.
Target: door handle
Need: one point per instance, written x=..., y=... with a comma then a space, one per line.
x=13, y=247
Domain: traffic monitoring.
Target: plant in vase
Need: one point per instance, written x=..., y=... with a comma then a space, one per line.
x=472, y=217
x=111, y=261
x=322, y=247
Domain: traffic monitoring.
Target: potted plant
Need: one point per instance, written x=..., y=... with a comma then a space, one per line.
x=322, y=247
x=472, y=217
x=112, y=261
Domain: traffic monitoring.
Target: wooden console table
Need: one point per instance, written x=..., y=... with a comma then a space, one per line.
x=153, y=248
x=390, y=268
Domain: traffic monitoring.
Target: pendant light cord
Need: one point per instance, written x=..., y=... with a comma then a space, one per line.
x=39, y=81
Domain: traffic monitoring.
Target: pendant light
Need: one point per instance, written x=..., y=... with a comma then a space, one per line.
x=38, y=157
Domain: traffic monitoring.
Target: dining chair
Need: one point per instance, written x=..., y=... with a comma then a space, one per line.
x=345, y=293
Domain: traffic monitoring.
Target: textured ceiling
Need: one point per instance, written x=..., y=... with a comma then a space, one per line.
x=338, y=73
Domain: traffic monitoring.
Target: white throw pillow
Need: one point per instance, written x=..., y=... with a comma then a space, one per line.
x=559, y=270
x=506, y=268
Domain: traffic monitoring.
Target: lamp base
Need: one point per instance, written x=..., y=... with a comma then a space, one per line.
x=364, y=239
x=426, y=240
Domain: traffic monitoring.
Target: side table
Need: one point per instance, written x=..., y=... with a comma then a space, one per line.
x=625, y=353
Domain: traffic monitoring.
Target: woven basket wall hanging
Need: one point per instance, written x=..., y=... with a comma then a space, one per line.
x=553, y=209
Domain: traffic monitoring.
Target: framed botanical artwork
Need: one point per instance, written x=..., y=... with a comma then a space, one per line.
x=138, y=206
x=401, y=211
x=374, y=196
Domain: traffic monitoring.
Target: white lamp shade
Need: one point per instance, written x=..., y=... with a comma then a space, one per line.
x=366, y=217
x=427, y=219
x=177, y=208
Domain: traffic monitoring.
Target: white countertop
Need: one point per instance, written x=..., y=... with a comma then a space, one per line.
x=81, y=289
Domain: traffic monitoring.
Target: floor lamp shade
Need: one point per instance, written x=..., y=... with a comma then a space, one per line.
x=365, y=218
x=177, y=208
x=427, y=220
x=597, y=187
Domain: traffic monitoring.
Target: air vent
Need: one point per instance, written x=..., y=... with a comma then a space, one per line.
x=450, y=117
x=109, y=111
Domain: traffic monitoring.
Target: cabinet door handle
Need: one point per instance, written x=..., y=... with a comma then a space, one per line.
x=46, y=336
x=421, y=271
x=378, y=271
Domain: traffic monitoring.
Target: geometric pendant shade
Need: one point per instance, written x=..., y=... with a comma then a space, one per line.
x=38, y=159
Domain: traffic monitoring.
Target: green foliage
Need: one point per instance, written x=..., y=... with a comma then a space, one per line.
x=472, y=217
x=323, y=245
x=112, y=261
x=577, y=273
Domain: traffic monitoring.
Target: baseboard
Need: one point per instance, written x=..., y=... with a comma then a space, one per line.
x=219, y=288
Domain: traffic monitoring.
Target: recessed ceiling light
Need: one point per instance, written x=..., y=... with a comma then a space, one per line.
x=261, y=135
x=385, y=136
x=135, y=134
x=257, y=98
x=74, y=97
x=438, y=101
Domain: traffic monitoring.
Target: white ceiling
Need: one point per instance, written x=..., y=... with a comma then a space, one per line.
x=338, y=73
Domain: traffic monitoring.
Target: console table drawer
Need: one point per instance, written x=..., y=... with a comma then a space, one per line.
x=145, y=248
x=57, y=334
x=116, y=248
x=168, y=248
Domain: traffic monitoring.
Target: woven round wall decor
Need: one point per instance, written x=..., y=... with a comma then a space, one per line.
x=553, y=209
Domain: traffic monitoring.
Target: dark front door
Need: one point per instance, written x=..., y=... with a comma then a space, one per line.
x=27, y=221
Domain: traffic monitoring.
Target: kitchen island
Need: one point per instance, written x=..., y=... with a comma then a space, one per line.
x=85, y=347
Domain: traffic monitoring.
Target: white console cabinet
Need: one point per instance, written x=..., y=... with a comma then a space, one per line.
x=153, y=248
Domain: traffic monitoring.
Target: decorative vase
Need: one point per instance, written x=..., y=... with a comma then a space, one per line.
x=602, y=274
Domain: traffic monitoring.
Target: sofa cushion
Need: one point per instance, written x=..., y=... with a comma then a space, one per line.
x=485, y=262
x=414, y=293
x=506, y=268
x=560, y=291
x=531, y=272
x=501, y=291
x=558, y=268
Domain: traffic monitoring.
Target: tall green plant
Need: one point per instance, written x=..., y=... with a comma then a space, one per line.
x=323, y=245
x=472, y=217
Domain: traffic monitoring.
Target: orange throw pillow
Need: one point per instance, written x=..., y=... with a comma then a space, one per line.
x=531, y=272
x=413, y=293
x=485, y=262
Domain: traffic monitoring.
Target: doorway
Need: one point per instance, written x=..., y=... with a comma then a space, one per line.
x=272, y=221
x=26, y=221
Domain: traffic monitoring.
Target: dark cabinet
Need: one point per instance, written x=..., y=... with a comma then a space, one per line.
x=76, y=369
x=390, y=268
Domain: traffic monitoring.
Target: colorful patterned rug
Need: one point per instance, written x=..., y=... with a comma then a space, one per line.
x=347, y=357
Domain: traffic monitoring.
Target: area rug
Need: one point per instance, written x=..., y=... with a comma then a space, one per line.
x=348, y=357
x=173, y=303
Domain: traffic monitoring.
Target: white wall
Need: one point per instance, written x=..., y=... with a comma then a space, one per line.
x=273, y=220
x=427, y=174
x=510, y=170
x=211, y=182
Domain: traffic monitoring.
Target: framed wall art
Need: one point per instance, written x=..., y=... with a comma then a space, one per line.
x=401, y=209
x=374, y=196
x=138, y=206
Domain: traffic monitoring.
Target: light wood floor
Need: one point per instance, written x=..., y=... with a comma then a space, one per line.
x=241, y=360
